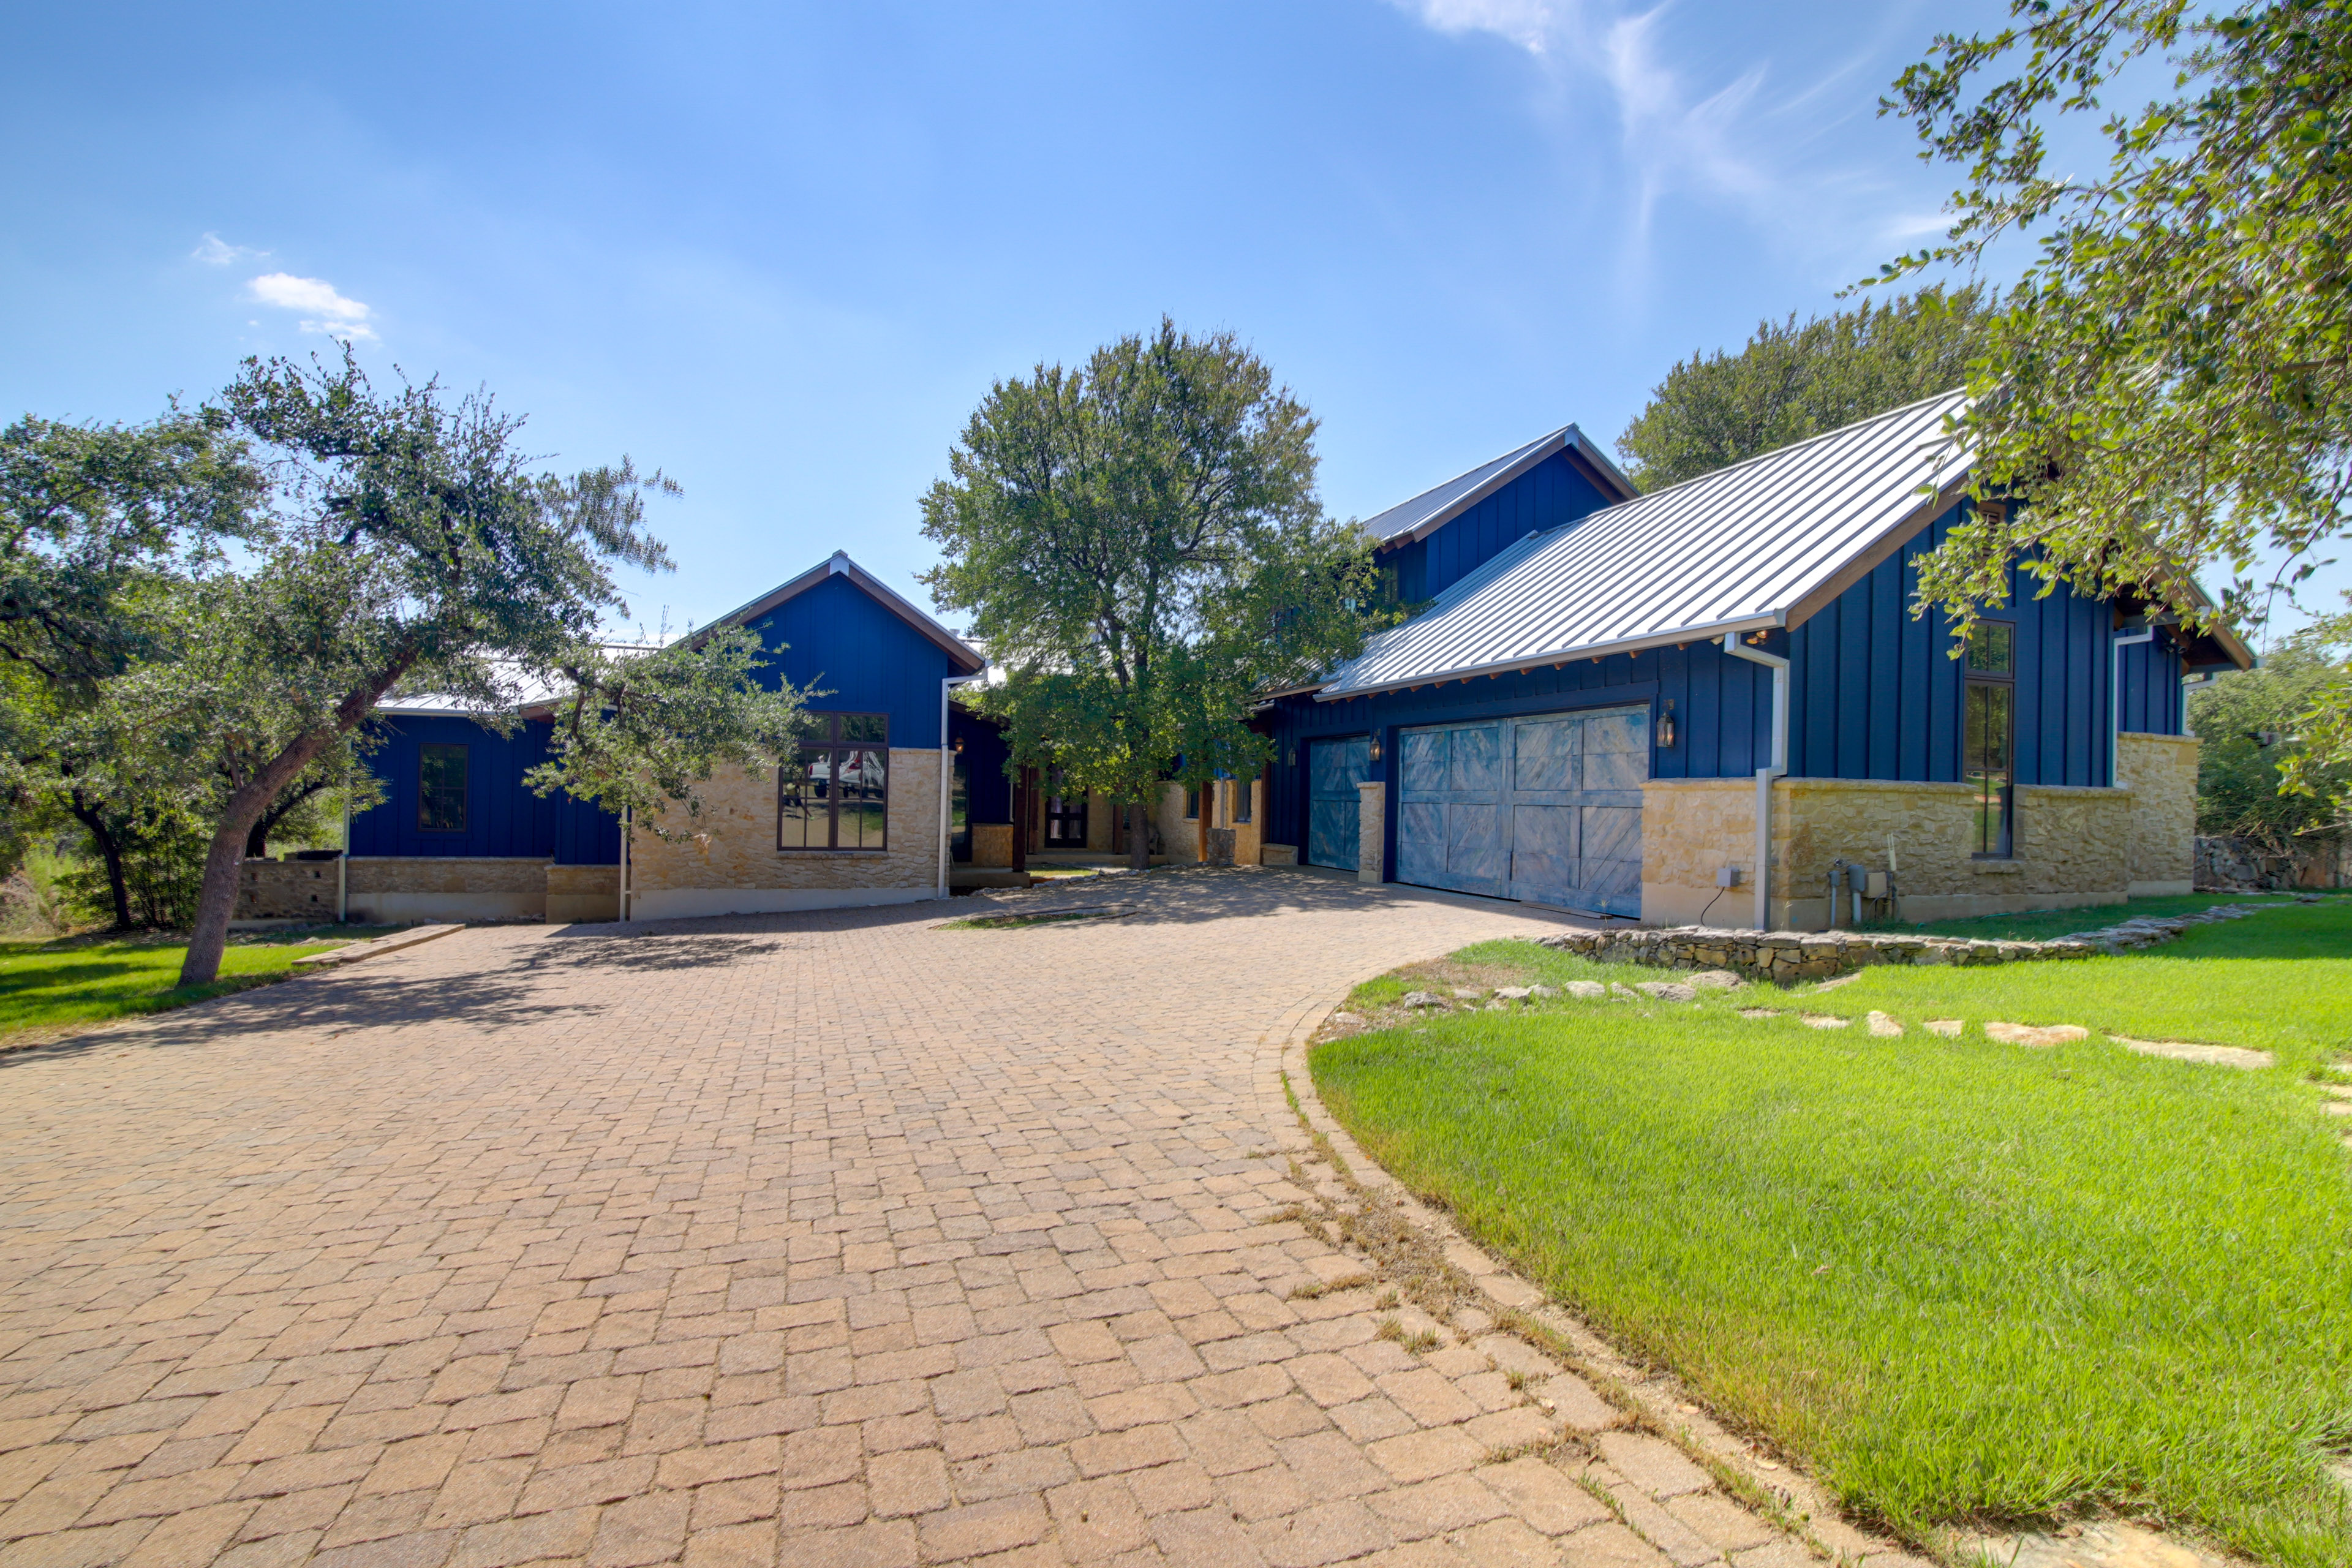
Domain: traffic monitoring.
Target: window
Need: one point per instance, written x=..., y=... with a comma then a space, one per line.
x=1192, y=803
x=1988, y=725
x=441, y=789
x=1242, y=790
x=837, y=794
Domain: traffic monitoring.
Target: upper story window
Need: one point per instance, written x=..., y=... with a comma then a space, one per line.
x=1988, y=734
x=837, y=794
x=441, y=789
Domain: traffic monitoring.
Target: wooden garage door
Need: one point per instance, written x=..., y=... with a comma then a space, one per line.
x=1334, y=769
x=1547, y=809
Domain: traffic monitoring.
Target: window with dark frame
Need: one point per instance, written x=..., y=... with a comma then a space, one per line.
x=1987, y=736
x=837, y=794
x=1192, y=803
x=1243, y=788
x=441, y=789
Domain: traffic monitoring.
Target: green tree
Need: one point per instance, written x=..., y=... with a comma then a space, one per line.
x=2170, y=381
x=1792, y=381
x=640, y=728
x=409, y=541
x=1140, y=547
x=92, y=515
x=2250, y=723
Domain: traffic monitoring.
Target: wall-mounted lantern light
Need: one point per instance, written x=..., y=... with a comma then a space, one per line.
x=1666, y=725
x=1376, y=748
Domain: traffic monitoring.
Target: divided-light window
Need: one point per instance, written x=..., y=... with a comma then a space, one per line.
x=837, y=794
x=1987, y=736
x=441, y=789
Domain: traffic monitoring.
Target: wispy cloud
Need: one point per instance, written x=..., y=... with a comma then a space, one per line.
x=1722, y=141
x=326, y=310
x=215, y=251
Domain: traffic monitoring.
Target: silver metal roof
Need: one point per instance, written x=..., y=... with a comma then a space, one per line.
x=1441, y=504
x=1735, y=550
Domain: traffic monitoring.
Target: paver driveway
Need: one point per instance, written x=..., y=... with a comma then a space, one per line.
x=819, y=1238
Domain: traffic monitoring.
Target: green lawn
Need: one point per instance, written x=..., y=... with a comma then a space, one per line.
x=2040, y=925
x=1964, y=1282
x=48, y=987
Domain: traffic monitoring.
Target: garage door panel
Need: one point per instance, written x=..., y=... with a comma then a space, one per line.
x=1334, y=806
x=1421, y=843
x=1546, y=809
x=1475, y=765
x=1544, y=849
x=1474, y=851
x=1544, y=757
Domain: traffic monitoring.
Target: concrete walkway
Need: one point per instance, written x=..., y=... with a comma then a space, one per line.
x=808, y=1239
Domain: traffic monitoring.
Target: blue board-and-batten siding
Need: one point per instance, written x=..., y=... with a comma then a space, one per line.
x=864, y=656
x=1553, y=493
x=503, y=816
x=1873, y=694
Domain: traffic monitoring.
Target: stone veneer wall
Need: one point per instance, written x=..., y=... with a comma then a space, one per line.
x=729, y=864
x=393, y=888
x=2072, y=846
x=992, y=845
x=287, y=890
x=1180, y=836
x=581, y=893
x=2161, y=773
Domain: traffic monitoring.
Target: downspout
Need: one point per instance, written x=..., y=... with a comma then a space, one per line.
x=947, y=765
x=2115, y=697
x=343, y=861
x=628, y=837
x=1764, y=776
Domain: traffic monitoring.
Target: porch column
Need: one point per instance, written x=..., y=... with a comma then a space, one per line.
x=1372, y=820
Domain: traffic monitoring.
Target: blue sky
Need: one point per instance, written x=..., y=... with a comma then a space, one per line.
x=781, y=251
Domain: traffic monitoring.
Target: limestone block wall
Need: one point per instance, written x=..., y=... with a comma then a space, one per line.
x=2072, y=846
x=390, y=888
x=728, y=862
x=286, y=890
x=2160, y=770
x=1180, y=836
x=581, y=893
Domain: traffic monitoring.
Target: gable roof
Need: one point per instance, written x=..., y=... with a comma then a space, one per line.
x=967, y=659
x=1759, y=543
x=1435, y=507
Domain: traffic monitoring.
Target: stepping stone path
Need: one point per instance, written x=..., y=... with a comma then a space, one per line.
x=1827, y=1021
x=2190, y=1051
x=1884, y=1026
x=1666, y=991
x=2039, y=1038
x=1948, y=1027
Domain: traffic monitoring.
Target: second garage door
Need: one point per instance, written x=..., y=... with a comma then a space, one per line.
x=1546, y=809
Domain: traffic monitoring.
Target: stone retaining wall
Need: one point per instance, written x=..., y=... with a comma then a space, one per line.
x=1788, y=955
x=286, y=890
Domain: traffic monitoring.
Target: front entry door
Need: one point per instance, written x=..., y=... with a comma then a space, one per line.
x=1066, y=816
x=1546, y=809
x=1334, y=769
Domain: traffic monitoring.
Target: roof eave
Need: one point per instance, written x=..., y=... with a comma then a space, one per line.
x=840, y=565
x=1567, y=439
x=1762, y=621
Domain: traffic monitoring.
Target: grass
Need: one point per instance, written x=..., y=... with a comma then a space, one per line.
x=49, y=988
x=2040, y=925
x=1014, y=922
x=1968, y=1283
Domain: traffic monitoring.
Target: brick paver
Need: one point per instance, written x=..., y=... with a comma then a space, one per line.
x=831, y=1238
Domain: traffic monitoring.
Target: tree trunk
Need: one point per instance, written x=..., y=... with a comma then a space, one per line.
x=256, y=843
x=216, y=905
x=1200, y=824
x=1139, y=837
x=111, y=853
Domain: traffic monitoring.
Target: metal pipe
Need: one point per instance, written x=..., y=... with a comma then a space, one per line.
x=628, y=839
x=2115, y=697
x=1764, y=776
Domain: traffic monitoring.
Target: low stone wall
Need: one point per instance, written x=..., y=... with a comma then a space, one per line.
x=287, y=890
x=577, y=894
x=392, y=888
x=1788, y=955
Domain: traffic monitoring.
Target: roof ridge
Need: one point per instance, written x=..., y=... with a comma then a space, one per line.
x=1799, y=445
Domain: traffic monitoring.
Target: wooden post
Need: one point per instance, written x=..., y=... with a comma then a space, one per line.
x=1021, y=819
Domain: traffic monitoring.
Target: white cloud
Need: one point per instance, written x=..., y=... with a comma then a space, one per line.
x=215, y=251
x=328, y=311
x=1531, y=24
